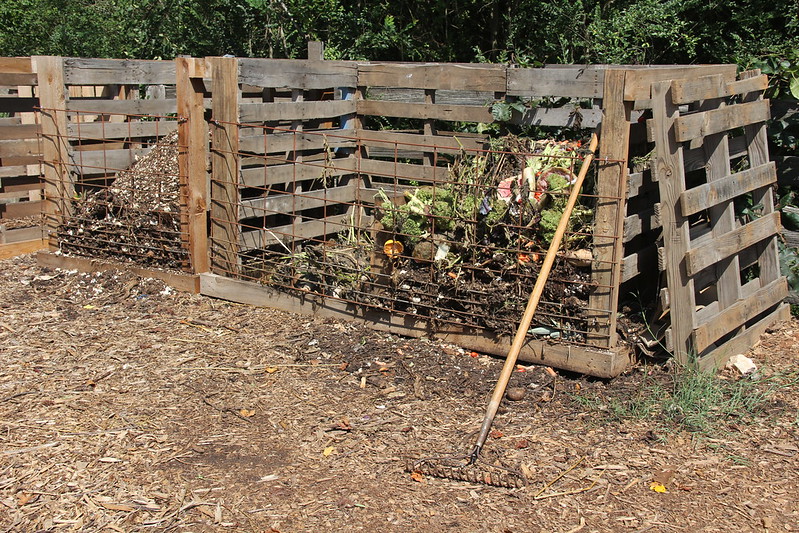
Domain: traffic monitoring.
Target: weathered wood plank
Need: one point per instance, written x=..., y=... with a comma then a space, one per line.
x=739, y=313
x=297, y=73
x=121, y=130
x=20, y=148
x=22, y=131
x=448, y=143
x=475, y=77
x=82, y=71
x=744, y=341
x=17, y=171
x=295, y=142
x=715, y=86
x=16, y=65
x=726, y=188
x=22, y=209
x=265, y=176
x=16, y=80
x=722, y=119
x=639, y=81
x=644, y=261
x=310, y=229
x=391, y=169
x=641, y=222
x=458, y=113
x=111, y=161
x=161, y=107
x=301, y=110
x=573, y=81
x=732, y=242
x=294, y=203
x=668, y=169
x=10, y=236
x=568, y=357
x=568, y=116
x=610, y=210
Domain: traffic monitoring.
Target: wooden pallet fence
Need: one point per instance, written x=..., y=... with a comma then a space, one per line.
x=723, y=274
x=21, y=188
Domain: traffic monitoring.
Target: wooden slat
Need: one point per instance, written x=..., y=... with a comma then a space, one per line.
x=123, y=107
x=722, y=119
x=727, y=188
x=121, y=130
x=112, y=161
x=305, y=110
x=294, y=203
x=310, y=229
x=476, y=77
x=638, y=223
x=390, y=169
x=10, y=236
x=744, y=341
x=297, y=74
x=756, y=136
x=709, y=87
x=668, y=167
x=609, y=211
x=459, y=113
x=17, y=171
x=574, y=81
x=18, y=79
x=643, y=261
x=20, y=148
x=81, y=71
x=732, y=242
x=290, y=172
x=16, y=65
x=290, y=142
x=443, y=143
x=639, y=81
x=600, y=363
x=22, y=209
x=568, y=116
x=739, y=313
x=22, y=131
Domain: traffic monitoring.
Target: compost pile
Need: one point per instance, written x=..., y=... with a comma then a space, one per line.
x=137, y=218
x=466, y=250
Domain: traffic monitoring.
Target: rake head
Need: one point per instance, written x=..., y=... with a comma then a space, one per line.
x=467, y=468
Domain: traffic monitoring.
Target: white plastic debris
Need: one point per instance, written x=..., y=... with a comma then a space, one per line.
x=743, y=364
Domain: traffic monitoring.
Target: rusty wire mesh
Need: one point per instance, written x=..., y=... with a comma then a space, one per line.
x=452, y=236
x=120, y=195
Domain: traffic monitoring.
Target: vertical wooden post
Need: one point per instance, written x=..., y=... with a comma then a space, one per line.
x=610, y=211
x=722, y=216
x=225, y=165
x=757, y=148
x=58, y=188
x=316, y=50
x=193, y=143
x=670, y=171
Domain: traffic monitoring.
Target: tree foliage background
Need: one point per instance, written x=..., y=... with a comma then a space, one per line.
x=524, y=31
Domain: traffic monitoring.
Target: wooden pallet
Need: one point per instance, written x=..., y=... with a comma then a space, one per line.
x=722, y=269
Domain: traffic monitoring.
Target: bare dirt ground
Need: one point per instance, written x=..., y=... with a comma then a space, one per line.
x=125, y=406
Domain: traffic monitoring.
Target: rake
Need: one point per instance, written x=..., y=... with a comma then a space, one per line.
x=469, y=467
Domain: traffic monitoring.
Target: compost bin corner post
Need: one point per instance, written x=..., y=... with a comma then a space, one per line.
x=59, y=187
x=611, y=186
x=225, y=165
x=192, y=153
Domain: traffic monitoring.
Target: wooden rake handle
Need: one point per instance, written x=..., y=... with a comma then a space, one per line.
x=532, y=303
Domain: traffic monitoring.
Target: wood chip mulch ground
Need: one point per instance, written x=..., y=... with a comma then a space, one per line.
x=126, y=406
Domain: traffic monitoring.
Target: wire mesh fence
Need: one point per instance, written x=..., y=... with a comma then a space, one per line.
x=452, y=236
x=120, y=193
